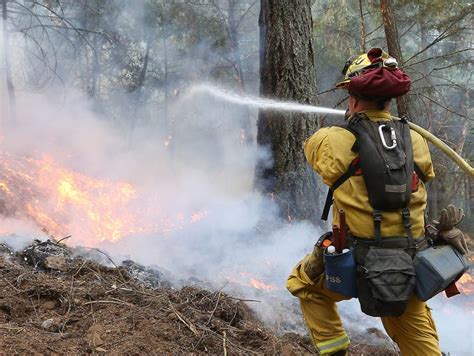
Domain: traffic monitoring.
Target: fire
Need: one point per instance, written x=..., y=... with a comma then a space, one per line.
x=168, y=141
x=261, y=285
x=245, y=279
x=66, y=202
x=466, y=284
x=199, y=215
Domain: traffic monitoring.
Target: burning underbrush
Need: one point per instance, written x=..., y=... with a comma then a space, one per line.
x=64, y=201
x=54, y=302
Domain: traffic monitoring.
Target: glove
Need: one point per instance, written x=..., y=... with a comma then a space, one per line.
x=450, y=217
x=455, y=238
x=313, y=265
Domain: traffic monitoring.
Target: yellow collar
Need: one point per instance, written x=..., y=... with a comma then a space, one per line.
x=378, y=115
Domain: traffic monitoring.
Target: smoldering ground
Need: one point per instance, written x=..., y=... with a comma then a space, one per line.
x=238, y=243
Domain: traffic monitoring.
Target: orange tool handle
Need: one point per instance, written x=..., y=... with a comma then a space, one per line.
x=342, y=230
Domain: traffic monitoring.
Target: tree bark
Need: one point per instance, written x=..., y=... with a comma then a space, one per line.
x=363, y=32
x=393, y=45
x=235, y=57
x=287, y=72
x=8, y=71
x=234, y=43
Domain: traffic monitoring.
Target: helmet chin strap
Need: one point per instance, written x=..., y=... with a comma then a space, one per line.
x=347, y=115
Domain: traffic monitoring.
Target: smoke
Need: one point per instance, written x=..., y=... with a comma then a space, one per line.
x=454, y=322
x=18, y=233
x=206, y=169
x=192, y=165
x=238, y=237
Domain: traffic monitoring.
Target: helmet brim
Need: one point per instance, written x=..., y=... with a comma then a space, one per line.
x=343, y=85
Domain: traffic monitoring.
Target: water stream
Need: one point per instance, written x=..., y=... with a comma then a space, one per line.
x=257, y=102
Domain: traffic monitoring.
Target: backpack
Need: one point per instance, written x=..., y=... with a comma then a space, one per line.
x=386, y=160
x=385, y=272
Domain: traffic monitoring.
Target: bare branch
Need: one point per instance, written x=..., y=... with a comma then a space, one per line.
x=446, y=55
x=443, y=106
x=445, y=34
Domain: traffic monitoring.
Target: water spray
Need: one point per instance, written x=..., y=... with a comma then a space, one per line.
x=270, y=104
x=259, y=103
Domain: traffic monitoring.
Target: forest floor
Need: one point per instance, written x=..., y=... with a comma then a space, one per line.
x=52, y=303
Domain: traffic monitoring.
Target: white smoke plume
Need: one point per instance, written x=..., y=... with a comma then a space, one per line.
x=204, y=167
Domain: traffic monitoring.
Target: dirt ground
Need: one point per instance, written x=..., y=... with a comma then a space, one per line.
x=81, y=307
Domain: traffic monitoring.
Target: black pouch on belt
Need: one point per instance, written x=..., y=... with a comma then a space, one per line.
x=385, y=281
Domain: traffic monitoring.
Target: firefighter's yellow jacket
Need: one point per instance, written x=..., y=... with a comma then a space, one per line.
x=329, y=153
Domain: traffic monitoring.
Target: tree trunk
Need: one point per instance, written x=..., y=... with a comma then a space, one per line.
x=136, y=93
x=234, y=43
x=8, y=70
x=170, y=121
x=287, y=72
x=393, y=44
x=233, y=33
x=363, y=32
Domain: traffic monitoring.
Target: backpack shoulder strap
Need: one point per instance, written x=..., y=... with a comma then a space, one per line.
x=416, y=168
x=354, y=166
x=419, y=172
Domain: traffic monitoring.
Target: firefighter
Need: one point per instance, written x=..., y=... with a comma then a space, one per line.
x=372, y=80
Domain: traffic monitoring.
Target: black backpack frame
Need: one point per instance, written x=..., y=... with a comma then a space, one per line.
x=387, y=168
x=385, y=272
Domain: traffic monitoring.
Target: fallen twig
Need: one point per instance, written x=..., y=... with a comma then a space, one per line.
x=240, y=348
x=80, y=268
x=11, y=285
x=215, y=308
x=183, y=320
x=224, y=343
x=135, y=291
x=245, y=300
x=111, y=261
x=108, y=301
x=64, y=238
x=11, y=328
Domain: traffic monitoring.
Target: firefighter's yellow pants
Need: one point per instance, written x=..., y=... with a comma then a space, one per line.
x=414, y=332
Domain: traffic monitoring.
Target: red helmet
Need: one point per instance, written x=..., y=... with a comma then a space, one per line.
x=374, y=74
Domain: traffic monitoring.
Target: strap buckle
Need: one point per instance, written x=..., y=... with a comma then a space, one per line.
x=377, y=226
x=377, y=216
x=406, y=218
x=407, y=225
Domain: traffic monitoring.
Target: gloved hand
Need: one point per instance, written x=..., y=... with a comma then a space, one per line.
x=449, y=218
x=313, y=265
x=455, y=238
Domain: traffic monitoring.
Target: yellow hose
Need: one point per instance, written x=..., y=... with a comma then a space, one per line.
x=442, y=146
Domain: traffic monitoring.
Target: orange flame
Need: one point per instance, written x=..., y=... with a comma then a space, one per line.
x=246, y=279
x=199, y=215
x=466, y=284
x=66, y=202
x=168, y=141
x=262, y=285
